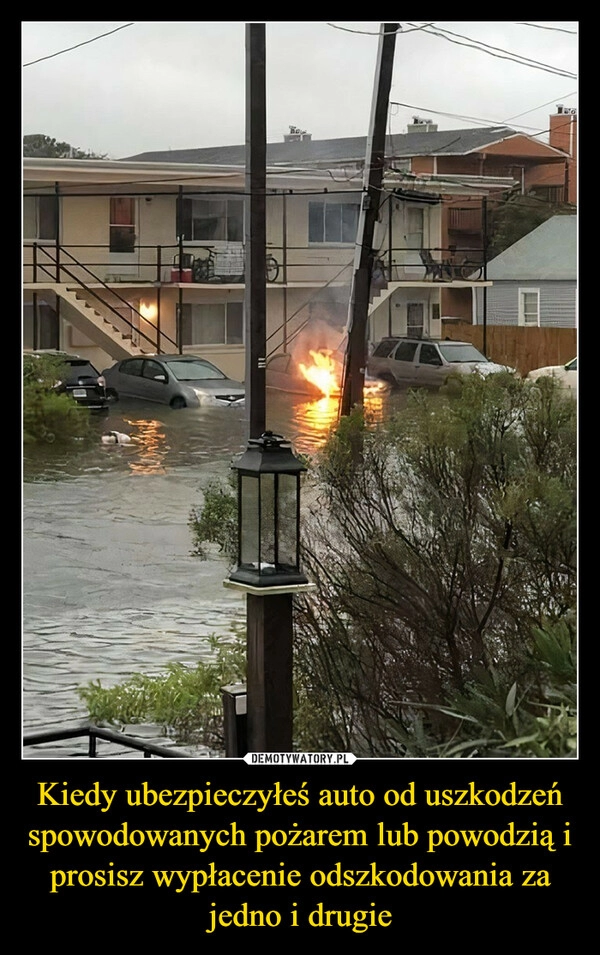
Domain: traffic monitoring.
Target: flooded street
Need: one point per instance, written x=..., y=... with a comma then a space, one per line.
x=110, y=586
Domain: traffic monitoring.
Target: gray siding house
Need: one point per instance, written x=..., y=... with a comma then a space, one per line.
x=535, y=280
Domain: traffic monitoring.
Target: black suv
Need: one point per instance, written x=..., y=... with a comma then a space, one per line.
x=82, y=381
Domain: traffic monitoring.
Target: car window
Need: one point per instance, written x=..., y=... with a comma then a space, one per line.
x=429, y=355
x=193, y=370
x=405, y=351
x=151, y=369
x=571, y=365
x=460, y=351
x=80, y=368
x=132, y=367
x=384, y=348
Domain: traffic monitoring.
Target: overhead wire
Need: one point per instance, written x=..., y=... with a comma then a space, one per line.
x=495, y=51
x=77, y=45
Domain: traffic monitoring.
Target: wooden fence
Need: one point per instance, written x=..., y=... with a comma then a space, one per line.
x=521, y=348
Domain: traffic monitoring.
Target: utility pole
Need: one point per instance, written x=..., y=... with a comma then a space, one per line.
x=269, y=631
x=255, y=301
x=358, y=309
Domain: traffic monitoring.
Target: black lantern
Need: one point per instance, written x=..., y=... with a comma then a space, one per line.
x=269, y=515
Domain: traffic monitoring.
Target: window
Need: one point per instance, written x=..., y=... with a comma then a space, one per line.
x=151, y=369
x=122, y=224
x=40, y=329
x=529, y=306
x=40, y=220
x=429, y=355
x=216, y=324
x=219, y=220
x=332, y=222
x=405, y=351
x=132, y=367
x=384, y=348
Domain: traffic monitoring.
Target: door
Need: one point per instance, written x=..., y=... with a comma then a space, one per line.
x=414, y=242
x=123, y=252
x=430, y=371
x=415, y=319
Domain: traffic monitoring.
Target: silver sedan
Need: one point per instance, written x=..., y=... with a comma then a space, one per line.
x=180, y=381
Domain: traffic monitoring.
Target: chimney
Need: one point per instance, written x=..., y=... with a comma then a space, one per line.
x=563, y=136
x=420, y=125
x=296, y=135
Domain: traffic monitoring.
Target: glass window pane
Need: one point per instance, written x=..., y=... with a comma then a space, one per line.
x=47, y=217
x=29, y=218
x=315, y=221
x=287, y=524
x=249, y=522
x=203, y=324
x=122, y=210
x=267, y=521
x=235, y=220
x=405, y=351
x=349, y=223
x=235, y=323
x=122, y=238
x=333, y=223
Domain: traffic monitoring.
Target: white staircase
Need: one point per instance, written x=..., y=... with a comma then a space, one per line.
x=382, y=296
x=98, y=328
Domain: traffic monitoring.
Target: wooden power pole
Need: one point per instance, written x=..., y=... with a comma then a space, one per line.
x=268, y=618
x=358, y=309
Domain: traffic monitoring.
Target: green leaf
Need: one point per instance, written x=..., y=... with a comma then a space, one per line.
x=510, y=700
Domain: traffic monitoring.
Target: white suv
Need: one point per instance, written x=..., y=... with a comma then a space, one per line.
x=427, y=362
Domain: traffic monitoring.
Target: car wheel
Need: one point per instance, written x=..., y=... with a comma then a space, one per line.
x=178, y=402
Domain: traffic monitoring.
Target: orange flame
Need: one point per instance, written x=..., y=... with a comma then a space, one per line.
x=322, y=373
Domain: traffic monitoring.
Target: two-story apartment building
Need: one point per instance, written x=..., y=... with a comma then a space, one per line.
x=128, y=257
x=452, y=163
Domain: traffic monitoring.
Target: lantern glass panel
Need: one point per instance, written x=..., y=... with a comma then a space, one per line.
x=287, y=524
x=249, y=521
x=268, y=554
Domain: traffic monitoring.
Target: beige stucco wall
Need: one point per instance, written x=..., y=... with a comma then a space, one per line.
x=85, y=223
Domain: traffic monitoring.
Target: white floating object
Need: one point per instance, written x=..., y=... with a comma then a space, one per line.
x=115, y=437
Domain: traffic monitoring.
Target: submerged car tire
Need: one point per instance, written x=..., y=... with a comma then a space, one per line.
x=178, y=403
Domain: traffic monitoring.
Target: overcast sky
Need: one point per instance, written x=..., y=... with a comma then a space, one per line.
x=119, y=88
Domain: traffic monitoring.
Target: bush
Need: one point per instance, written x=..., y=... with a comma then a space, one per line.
x=186, y=700
x=441, y=554
x=49, y=417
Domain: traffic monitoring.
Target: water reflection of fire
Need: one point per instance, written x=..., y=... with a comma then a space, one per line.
x=152, y=447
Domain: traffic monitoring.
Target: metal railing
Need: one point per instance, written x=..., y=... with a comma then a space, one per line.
x=95, y=733
x=403, y=264
x=54, y=269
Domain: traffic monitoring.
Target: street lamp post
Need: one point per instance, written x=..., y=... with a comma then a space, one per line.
x=268, y=570
x=268, y=565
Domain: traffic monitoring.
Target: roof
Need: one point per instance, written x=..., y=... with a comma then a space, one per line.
x=547, y=253
x=449, y=142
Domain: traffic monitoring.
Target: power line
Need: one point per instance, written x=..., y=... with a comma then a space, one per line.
x=539, y=26
x=486, y=122
x=400, y=29
x=541, y=106
x=77, y=45
x=500, y=53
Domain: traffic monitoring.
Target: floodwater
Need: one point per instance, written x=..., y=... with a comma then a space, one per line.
x=110, y=586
